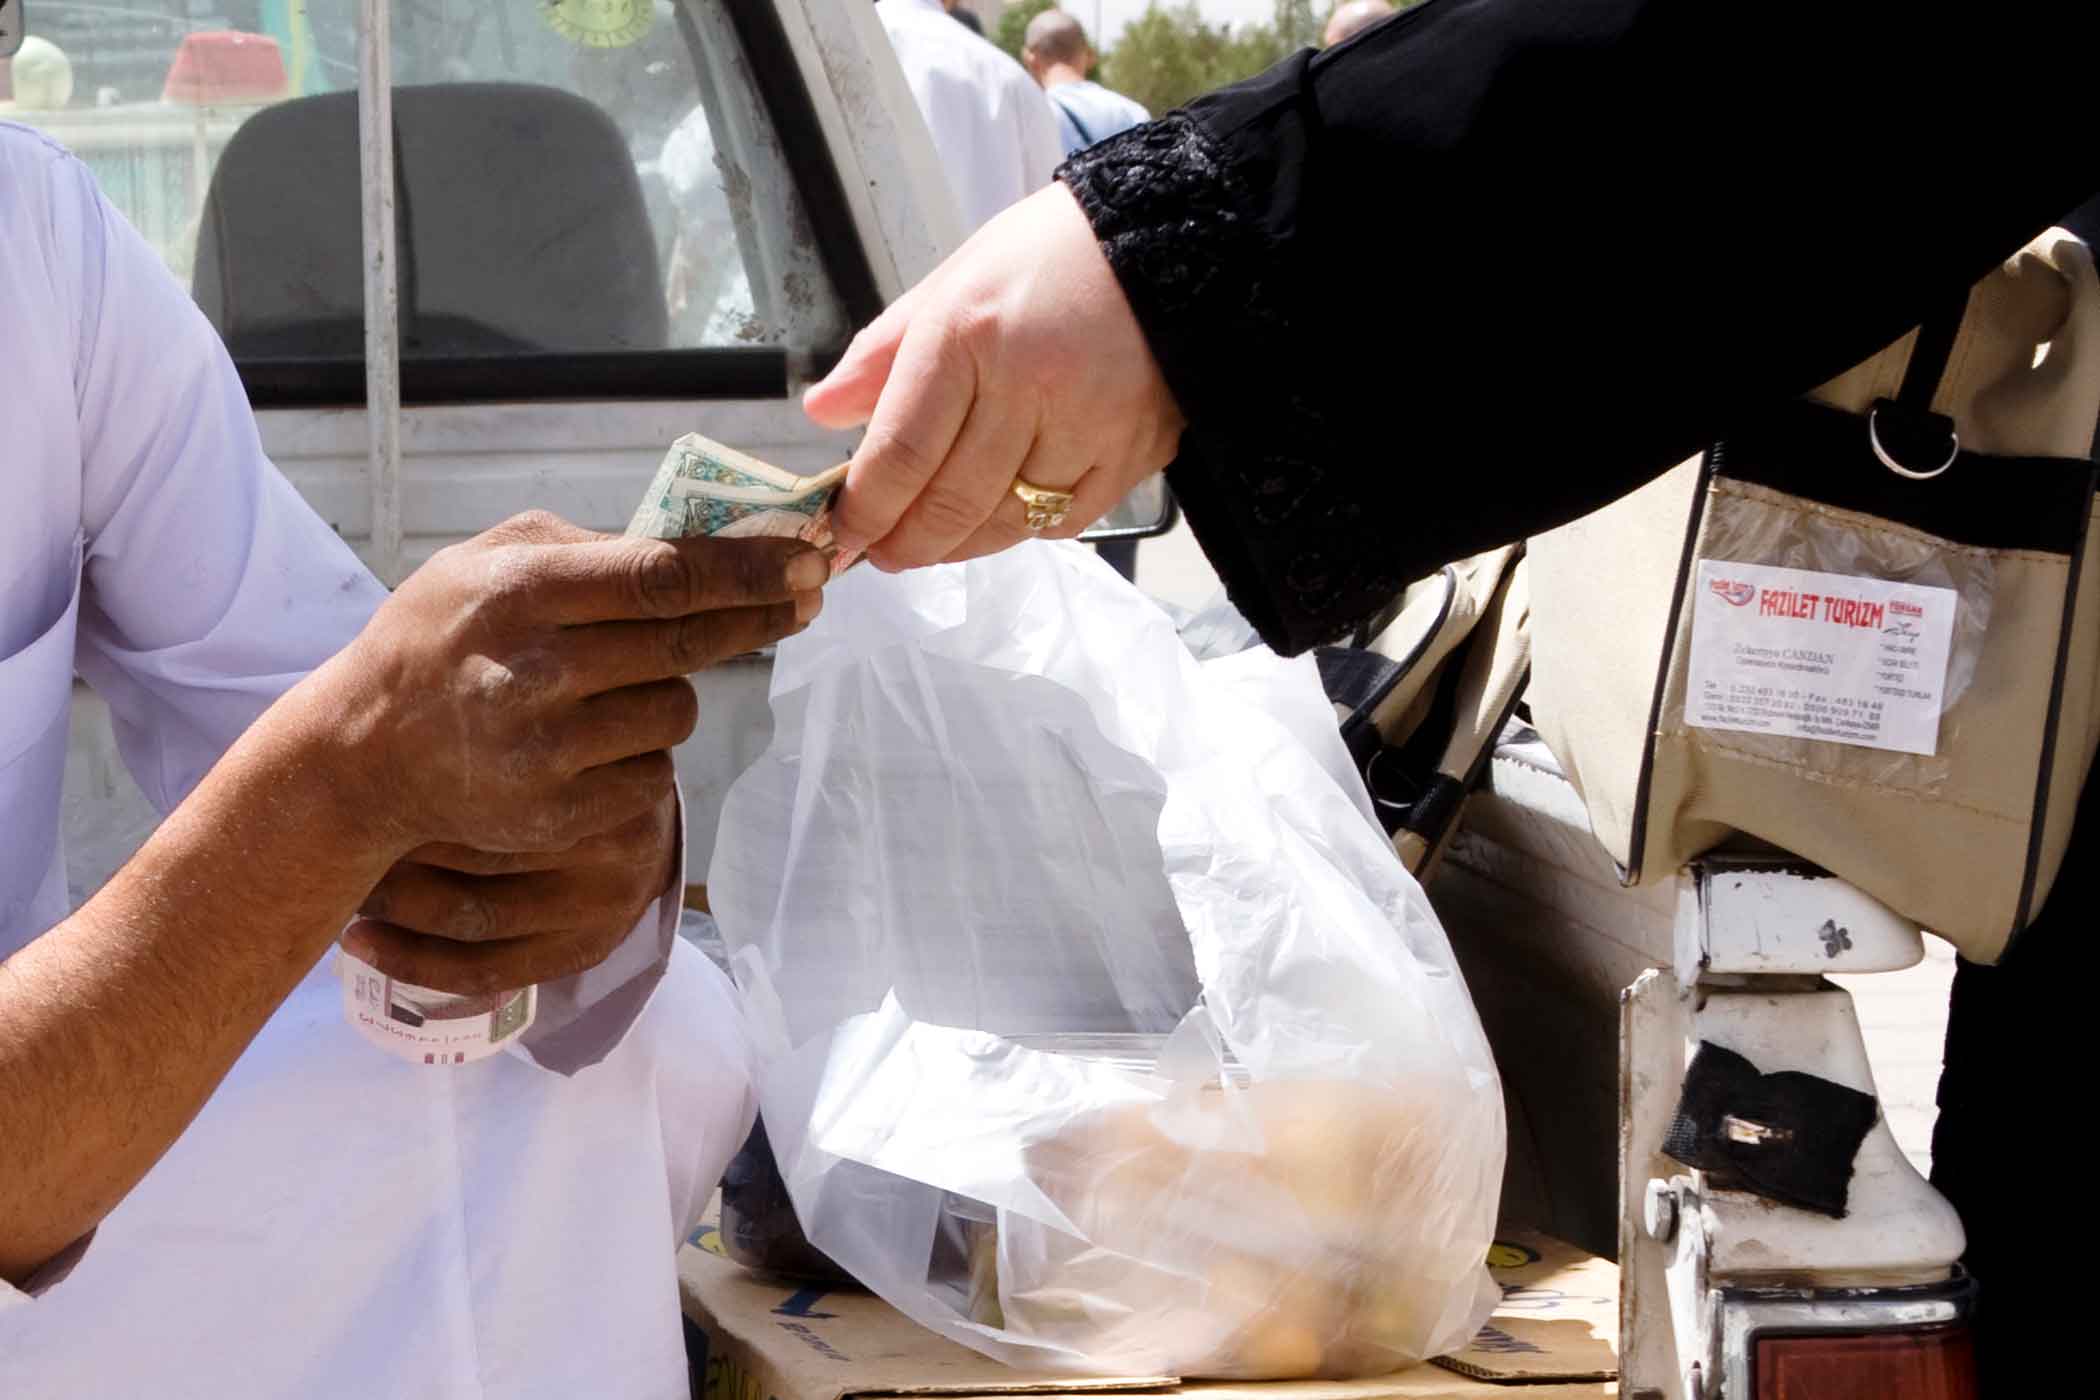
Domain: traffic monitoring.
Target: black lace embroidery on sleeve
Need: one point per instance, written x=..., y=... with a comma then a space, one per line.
x=1260, y=462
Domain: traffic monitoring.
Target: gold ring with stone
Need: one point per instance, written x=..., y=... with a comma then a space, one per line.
x=1046, y=508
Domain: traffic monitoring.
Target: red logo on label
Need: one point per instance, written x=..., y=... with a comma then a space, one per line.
x=1734, y=592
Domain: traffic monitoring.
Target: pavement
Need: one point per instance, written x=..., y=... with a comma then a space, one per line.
x=1174, y=569
x=1903, y=1015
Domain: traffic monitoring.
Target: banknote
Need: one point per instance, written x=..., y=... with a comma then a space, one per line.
x=704, y=488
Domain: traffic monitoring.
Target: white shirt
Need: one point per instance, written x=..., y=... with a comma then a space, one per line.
x=1088, y=112
x=994, y=130
x=336, y=1222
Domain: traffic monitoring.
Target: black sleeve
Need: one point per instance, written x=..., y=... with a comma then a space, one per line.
x=1495, y=262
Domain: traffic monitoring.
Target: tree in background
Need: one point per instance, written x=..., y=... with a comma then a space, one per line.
x=1297, y=25
x=1013, y=25
x=1171, y=54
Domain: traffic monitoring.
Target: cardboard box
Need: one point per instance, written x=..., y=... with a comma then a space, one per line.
x=1554, y=1335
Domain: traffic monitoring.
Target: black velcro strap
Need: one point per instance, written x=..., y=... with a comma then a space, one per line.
x=1789, y=1137
x=1426, y=809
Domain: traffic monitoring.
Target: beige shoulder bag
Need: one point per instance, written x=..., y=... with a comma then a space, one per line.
x=1864, y=628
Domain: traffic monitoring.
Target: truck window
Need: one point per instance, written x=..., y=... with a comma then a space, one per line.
x=592, y=197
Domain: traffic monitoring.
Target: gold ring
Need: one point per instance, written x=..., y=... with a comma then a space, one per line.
x=1046, y=508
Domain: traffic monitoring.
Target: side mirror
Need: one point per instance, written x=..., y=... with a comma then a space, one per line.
x=12, y=27
x=1146, y=512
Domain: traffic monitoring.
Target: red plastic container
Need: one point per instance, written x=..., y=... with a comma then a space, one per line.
x=225, y=66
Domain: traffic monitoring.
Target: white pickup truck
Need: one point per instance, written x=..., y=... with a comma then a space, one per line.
x=502, y=256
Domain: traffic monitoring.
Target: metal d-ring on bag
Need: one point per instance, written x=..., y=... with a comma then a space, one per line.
x=1863, y=628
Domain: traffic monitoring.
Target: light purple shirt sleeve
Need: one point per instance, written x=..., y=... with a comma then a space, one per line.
x=210, y=587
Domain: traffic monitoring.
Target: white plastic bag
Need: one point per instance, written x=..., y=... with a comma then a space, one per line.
x=1003, y=799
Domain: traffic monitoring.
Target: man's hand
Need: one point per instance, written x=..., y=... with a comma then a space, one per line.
x=1018, y=357
x=503, y=726
x=472, y=922
x=518, y=694
x=483, y=766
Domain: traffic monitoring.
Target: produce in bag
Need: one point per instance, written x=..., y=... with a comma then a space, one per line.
x=1002, y=800
x=758, y=1226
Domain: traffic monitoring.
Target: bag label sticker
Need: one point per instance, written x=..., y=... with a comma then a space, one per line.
x=1809, y=655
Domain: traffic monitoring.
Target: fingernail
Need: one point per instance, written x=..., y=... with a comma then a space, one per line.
x=807, y=571
x=807, y=606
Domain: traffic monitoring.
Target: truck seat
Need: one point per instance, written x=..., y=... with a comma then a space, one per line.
x=520, y=222
x=1547, y=936
x=1526, y=828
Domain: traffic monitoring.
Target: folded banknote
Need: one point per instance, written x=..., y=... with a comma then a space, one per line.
x=704, y=488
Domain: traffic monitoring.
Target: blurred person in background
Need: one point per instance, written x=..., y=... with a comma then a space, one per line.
x=1057, y=55
x=995, y=132
x=1353, y=18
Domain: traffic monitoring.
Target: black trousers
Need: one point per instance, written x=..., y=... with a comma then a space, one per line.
x=2015, y=1100
x=2013, y=1094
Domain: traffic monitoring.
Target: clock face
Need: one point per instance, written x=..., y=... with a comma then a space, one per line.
x=600, y=24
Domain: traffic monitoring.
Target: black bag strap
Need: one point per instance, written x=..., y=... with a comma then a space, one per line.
x=1928, y=358
x=1909, y=438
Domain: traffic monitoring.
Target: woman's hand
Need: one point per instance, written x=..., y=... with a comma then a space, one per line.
x=1017, y=358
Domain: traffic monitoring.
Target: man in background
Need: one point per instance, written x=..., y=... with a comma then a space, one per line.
x=995, y=132
x=1057, y=55
x=1353, y=18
